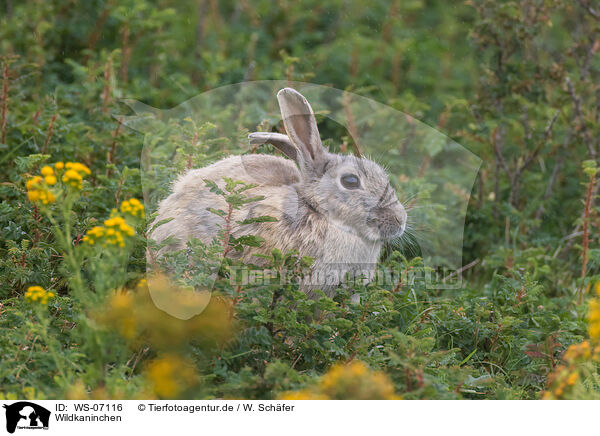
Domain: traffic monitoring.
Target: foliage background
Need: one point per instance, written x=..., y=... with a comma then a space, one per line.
x=515, y=82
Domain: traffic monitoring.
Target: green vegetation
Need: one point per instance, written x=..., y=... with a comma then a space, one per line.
x=516, y=83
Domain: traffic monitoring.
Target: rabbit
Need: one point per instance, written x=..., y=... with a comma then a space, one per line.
x=337, y=209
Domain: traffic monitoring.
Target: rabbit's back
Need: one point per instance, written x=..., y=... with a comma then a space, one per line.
x=187, y=206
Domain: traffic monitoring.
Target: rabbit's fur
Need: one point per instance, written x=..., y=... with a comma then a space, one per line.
x=341, y=229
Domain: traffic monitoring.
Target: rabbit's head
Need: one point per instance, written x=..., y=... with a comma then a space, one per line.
x=354, y=193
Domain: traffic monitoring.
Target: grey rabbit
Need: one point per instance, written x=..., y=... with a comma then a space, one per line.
x=337, y=209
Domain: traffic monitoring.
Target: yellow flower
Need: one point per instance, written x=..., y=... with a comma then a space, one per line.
x=72, y=178
x=74, y=173
x=50, y=180
x=111, y=234
x=127, y=229
x=47, y=197
x=33, y=195
x=121, y=300
x=594, y=320
x=82, y=168
x=133, y=207
x=139, y=317
x=170, y=375
x=79, y=167
x=303, y=395
x=38, y=187
x=351, y=381
x=562, y=380
x=123, y=303
x=41, y=195
x=576, y=351
x=37, y=293
x=33, y=182
x=47, y=171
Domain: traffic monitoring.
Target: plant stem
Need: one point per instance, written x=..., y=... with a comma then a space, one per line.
x=50, y=341
x=66, y=239
x=586, y=232
x=226, y=247
x=50, y=132
x=4, y=104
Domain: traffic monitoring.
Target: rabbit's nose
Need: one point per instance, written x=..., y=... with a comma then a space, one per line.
x=400, y=216
x=389, y=221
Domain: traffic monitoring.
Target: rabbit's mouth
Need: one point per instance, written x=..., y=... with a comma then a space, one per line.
x=389, y=221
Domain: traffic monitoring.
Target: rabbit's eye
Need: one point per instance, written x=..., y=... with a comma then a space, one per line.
x=350, y=181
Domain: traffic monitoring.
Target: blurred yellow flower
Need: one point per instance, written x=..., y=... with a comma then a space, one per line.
x=78, y=167
x=72, y=178
x=354, y=381
x=38, y=294
x=50, y=180
x=47, y=197
x=303, y=395
x=170, y=375
x=33, y=195
x=135, y=316
x=74, y=174
x=572, y=378
x=77, y=391
x=133, y=207
x=47, y=171
x=39, y=187
x=563, y=380
x=594, y=320
x=576, y=351
x=33, y=182
x=37, y=192
x=41, y=196
x=112, y=233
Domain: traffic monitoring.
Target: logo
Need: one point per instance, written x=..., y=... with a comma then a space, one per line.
x=26, y=415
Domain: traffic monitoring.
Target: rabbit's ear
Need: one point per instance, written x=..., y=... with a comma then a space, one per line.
x=301, y=127
x=279, y=141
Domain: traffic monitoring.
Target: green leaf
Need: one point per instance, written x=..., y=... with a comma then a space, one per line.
x=260, y=219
